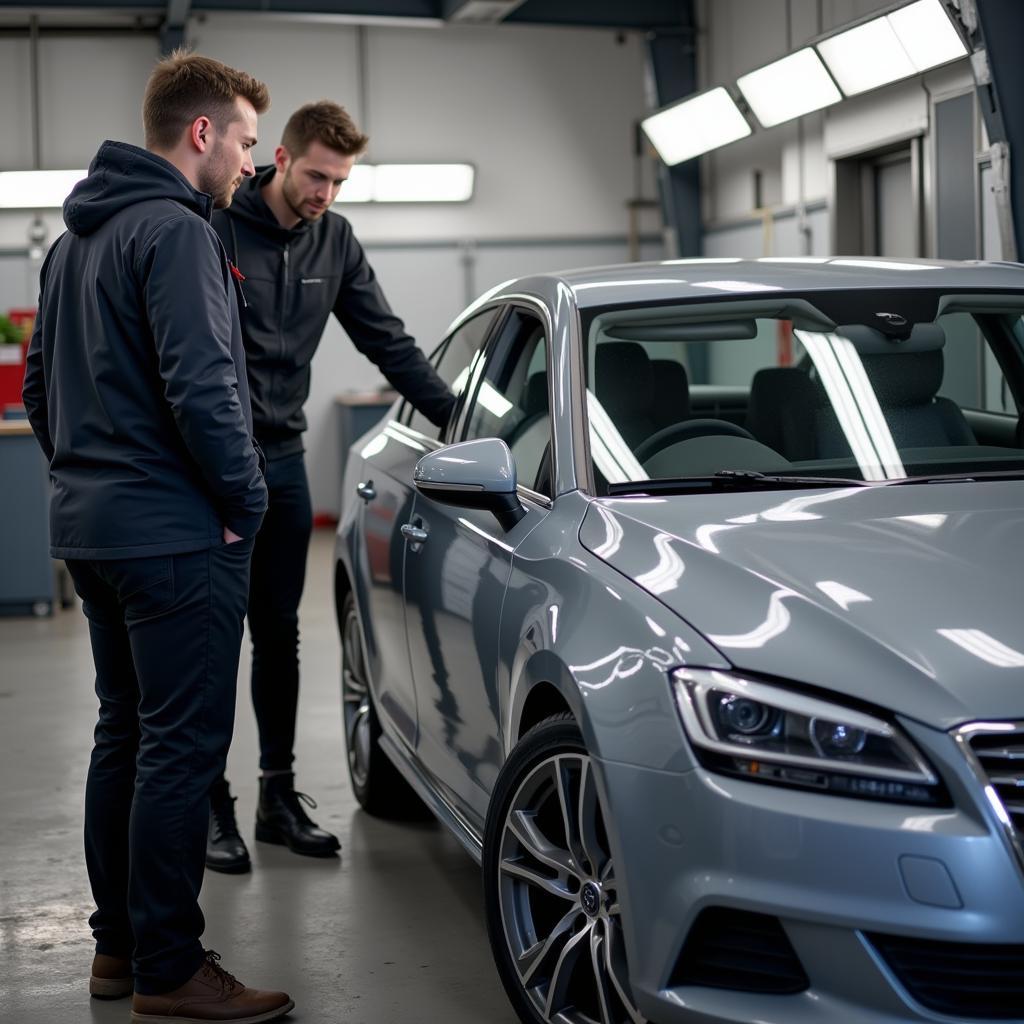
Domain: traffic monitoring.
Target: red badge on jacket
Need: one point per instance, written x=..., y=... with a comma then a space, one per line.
x=236, y=273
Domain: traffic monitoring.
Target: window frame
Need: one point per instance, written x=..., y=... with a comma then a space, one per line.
x=498, y=346
x=408, y=410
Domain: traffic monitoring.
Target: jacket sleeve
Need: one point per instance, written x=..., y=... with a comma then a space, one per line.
x=381, y=336
x=191, y=318
x=33, y=393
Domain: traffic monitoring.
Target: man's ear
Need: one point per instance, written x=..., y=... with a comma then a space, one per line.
x=201, y=133
x=282, y=158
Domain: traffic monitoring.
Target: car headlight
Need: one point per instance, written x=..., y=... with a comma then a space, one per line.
x=765, y=733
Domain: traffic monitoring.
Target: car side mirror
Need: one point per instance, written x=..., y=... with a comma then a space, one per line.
x=473, y=474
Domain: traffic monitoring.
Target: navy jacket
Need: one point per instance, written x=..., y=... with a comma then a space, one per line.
x=294, y=279
x=135, y=385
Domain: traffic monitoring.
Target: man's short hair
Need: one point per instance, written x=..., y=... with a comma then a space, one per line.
x=324, y=122
x=184, y=86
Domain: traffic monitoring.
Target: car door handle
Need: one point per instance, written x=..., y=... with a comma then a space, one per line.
x=366, y=490
x=416, y=534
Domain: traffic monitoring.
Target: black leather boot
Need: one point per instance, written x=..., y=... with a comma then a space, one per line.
x=280, y=819
x=225, y=848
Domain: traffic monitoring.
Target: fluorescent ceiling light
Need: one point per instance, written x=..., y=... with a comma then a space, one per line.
x=795, y=85
x=906, y=42
x=36, y=190
x=866, y=57
x=408, y=183
x=423, y=183
x=696, y=126
x=358, y=187
x=927, y=34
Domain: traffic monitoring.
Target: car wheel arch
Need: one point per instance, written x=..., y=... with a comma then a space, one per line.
x=543, y=686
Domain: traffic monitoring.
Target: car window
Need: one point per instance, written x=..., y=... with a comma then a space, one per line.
x=511, y=401
x=973, y=377
x=454, y=361
x=673, y=392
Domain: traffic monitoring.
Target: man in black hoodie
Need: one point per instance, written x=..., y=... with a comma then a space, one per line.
x=136, y=390
x=301, y=262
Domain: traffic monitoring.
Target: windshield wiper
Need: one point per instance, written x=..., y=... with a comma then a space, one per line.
x=733, y=480
x=959, y=478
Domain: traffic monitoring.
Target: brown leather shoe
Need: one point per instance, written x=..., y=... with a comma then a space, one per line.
x=111, y=977
x=210, y=995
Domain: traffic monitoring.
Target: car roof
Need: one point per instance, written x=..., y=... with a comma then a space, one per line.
x=689, y=279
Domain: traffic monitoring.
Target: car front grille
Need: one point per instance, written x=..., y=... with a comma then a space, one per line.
x=739, y=950
x=970, y=981
x=996, y=753
x=1002, y=757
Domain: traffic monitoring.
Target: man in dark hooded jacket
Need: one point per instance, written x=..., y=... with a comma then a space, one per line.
x=136, y=390
x=301, y=263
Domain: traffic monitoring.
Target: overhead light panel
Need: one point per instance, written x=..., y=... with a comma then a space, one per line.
x=696, y=126
x=866, y=57
x=37, y=190
x=408, y=183
x=358, y=187
x=896, y=46
x=927, y=34
x=423, y=183
x=788, y=88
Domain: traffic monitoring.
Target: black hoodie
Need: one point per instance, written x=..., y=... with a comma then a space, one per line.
x=294, y=279
x=135, y=385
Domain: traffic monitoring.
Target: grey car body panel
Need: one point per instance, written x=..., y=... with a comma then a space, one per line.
x=568, y=620
x=769, y=579
x=601, y=598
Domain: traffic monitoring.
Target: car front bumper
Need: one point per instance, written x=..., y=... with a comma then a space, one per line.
x=831, y=870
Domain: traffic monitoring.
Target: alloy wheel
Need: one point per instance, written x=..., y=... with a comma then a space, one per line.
x=355, y=696
x=559, y=898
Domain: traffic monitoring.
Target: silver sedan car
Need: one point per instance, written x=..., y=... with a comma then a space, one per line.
x=701, y=625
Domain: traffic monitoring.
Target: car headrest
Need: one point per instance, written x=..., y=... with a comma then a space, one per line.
x=671, y=391
x=624, y=378
x=905, y=378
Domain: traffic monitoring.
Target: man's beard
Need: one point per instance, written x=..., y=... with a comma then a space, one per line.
x=217, y=179
x=294, y=199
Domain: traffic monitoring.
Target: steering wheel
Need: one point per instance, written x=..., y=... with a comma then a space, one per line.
x=683, y=431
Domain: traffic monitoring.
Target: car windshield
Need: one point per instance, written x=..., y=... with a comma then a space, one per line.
x=852, y=385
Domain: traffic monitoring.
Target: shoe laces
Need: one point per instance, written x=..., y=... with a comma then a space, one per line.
x=300, y=798
x=213, y=968
x=223, y=812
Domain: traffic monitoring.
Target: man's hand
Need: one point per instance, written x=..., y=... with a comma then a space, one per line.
x=229, y=537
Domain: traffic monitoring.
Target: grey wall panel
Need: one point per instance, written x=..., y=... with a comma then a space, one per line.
x=956, y=232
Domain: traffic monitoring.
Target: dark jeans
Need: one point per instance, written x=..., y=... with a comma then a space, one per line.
x=275, y=588
x=166, y=634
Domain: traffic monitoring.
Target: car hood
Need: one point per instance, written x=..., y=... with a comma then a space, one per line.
x=909, y=597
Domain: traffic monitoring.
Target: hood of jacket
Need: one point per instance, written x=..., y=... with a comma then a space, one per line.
x=122, y=175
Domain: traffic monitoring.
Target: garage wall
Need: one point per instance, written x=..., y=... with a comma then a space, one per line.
x=545, y=114
x=794, y=160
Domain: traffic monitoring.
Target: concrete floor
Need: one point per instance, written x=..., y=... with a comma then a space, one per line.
x=391, y=932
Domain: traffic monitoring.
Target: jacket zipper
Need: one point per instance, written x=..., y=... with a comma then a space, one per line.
x=284, y=295
x=280, y=317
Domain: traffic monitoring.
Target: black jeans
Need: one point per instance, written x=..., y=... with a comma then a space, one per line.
x=275, y=588
x=166, y=634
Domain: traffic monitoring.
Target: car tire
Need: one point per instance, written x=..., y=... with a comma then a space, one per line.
x=553, y=915
x=376, y=782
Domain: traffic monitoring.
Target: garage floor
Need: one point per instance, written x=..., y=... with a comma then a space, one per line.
x=391, y=932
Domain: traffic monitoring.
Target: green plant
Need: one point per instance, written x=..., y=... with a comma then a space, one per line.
x=9, y=334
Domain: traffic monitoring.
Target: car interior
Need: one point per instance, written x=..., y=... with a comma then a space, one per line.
x=786, y=394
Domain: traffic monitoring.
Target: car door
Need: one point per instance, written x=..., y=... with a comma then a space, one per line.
x=385, y=488
x=456, y=575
